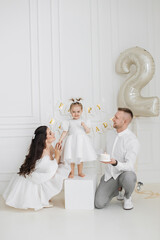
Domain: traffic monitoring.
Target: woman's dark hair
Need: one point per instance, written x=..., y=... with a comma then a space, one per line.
x=35, y=151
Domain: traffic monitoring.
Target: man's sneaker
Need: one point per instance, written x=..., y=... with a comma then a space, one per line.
x=128, y=203
x=120, y=196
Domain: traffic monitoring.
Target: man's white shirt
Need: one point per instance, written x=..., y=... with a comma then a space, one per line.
x=122, y=147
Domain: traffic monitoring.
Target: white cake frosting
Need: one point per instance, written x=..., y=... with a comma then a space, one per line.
x=104, y=157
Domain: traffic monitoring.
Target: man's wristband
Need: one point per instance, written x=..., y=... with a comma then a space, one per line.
x=115, y=164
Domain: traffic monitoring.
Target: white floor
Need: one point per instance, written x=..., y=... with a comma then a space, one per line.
x=111, y=223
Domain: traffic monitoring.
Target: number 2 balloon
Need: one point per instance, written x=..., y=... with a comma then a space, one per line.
x=130, y=92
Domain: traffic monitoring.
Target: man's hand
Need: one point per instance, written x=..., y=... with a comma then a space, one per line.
x=113, y=161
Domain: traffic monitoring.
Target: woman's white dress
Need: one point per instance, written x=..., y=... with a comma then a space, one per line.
x=38, y=188
x=77, y=147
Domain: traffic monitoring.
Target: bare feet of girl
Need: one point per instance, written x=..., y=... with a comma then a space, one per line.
x=81, y=174
x=71, y=175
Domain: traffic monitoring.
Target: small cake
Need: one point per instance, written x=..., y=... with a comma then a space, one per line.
x=104, y=157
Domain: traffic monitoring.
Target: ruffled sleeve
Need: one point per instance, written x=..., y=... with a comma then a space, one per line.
x=65, y=125
x=45, y=170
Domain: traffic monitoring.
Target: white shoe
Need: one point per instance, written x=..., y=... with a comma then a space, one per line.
x=120, y=196
x=128, y=203
x=49, y=206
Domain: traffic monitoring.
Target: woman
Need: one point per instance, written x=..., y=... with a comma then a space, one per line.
x=40, y=177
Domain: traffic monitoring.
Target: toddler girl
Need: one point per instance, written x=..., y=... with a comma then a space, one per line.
x=77, y=147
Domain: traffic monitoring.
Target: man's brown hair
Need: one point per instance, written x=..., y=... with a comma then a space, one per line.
x=127, y=110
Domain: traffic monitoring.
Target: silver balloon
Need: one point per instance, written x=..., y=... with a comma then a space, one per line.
x=130, y=92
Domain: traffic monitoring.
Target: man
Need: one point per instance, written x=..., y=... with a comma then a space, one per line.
x=122, y=145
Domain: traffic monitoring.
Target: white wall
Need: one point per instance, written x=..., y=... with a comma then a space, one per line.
x=58, y=49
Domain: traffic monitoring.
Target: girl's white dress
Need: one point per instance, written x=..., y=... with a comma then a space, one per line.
x=35, y=190
x=77, y=147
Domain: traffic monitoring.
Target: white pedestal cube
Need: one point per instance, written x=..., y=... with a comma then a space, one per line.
x=80, y=192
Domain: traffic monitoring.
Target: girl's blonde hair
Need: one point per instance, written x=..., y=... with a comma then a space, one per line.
x=76, y=102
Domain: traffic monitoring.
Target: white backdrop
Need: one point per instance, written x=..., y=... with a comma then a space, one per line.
x=58, y=49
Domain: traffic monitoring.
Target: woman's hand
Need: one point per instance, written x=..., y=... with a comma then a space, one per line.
x=60, y=142
x=58, y=149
